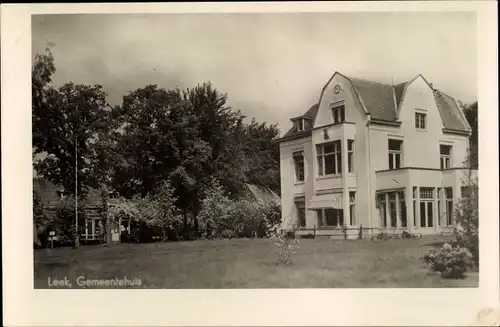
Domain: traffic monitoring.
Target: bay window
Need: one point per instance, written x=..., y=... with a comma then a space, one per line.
x=426, y=207
x=352, y=208
x=330, y=217
x=449, y=206
x=350, y=155
x=301, y=213
x=329, y=157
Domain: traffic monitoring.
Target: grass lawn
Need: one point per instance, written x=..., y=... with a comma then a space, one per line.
x=247, y=263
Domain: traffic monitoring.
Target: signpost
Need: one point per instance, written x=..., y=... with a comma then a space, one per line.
x=52, y=234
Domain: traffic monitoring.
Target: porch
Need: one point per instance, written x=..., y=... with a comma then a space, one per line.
x=418, y=200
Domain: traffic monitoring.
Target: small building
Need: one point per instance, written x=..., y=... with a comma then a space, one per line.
x=51, y=195
x=384, y=157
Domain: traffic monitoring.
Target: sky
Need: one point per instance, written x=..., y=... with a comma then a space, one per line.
x=272, y=66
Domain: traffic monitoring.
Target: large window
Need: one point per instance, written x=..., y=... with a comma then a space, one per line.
x=92, y=228
x=301, y=213
x=330, y=217
x=449, y=206
x=338, y=114
x=329, y=158
x=445, y=155
x=402, y=209
x=420, y=120
x=298, y=161
x=352, y=208
x=382, y=209
x=395, y=153
x=439, y=202
x=393, y=209
x=350, y=155
x=426, y=207
x=415, y=206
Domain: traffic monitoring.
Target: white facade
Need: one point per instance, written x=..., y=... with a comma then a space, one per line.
x=354, y=169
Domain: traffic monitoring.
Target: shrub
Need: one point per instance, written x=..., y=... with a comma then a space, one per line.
x=382, y=236
x=308, y=235
x=64, y=222
x=450, y=261
x=405, y=234
x=216, y=215
x=467, y=218
x=160, y=214
x=284, y=240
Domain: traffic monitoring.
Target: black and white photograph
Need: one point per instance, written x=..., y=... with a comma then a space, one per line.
x=257, y=150
x=227, y=150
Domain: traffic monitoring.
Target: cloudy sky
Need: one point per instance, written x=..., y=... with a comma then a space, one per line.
x=272, y=66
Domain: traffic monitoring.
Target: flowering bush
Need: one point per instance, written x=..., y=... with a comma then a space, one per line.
x=158, y=211
x=221, y=217
x=467, y=217
x=382, y=236
x=215, y=216
x=450, y=261
x=283, y=239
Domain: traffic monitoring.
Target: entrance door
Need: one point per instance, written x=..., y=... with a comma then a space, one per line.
x=426, y=213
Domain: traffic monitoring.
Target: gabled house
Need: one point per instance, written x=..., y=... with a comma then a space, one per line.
x=51, y=195
x=377, y=156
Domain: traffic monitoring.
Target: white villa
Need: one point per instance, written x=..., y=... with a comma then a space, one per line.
x=377, y=156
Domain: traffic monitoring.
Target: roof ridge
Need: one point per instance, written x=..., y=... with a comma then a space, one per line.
x=370, y=81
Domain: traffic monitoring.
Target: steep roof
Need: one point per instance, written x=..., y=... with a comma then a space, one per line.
x=382, y=101
x=450, y=112
x=377, y=97
x=48, y=193
x=311, y=114
x=260, y=193
x=398, y=92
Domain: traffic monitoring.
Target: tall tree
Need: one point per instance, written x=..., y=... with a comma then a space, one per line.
x=221, y=127
x=470, y=112
x=68, y=127
x=41, y=79
x=262, y=152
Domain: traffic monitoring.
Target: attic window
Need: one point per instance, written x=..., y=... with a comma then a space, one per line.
x=338, y=114
x=301, y=124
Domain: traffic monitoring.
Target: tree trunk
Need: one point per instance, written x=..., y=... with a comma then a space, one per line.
x=195, y=217
x=107, y=224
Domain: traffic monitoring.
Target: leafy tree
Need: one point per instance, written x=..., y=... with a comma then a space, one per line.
x=159, y=211
x=470, y=112
x=262, y=152
x=467, y=215
x=68, y=128
x=41, y=78
x=216, y=214
x=221, y=128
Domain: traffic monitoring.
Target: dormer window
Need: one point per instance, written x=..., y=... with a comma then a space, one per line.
x=301, y=124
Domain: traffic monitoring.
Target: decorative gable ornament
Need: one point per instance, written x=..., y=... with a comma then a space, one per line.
x=336, y=89
x=325, y=133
